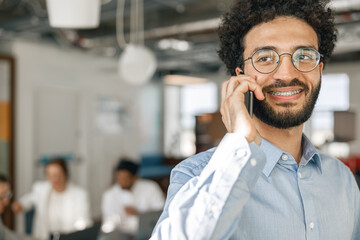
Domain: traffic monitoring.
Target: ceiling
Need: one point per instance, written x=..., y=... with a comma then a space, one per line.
x=182, y=33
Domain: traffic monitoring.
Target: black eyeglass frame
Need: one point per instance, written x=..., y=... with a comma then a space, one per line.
x=278, y=62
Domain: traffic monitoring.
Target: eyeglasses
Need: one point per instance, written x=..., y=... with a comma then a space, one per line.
x=267, y=60
x=6, y=196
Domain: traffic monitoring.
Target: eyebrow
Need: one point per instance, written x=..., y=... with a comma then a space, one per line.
x=275, y=49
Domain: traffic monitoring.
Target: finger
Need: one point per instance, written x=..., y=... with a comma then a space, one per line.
x=259, y=94
x=226, y=115
x=258, y=90
x=225, y=111
x=234, y=82
x=223, y=91
x=250, y=86
x=245, y=86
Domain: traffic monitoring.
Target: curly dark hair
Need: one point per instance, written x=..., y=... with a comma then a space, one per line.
x=246, y=14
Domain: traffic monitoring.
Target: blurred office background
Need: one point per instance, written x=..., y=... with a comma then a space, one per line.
x=69, y=91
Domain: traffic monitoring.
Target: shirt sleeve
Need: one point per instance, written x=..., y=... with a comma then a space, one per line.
x=106, y=204
x=28, y=200
x=208, y=206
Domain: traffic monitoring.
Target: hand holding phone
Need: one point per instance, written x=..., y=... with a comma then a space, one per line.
x=234, y=116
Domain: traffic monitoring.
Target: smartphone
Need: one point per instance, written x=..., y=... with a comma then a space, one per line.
x=249, y=101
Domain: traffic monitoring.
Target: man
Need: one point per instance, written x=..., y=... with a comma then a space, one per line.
x=128, y=197
x=5, y=196
x=266, y=180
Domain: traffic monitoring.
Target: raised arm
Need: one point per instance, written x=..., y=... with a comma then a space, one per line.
x=209, y=206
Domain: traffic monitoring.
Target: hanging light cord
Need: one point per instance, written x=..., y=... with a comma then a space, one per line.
x=141, y=22
x=136, y=22
x=120, y=38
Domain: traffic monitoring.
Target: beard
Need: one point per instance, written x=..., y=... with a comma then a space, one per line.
x=286, y=119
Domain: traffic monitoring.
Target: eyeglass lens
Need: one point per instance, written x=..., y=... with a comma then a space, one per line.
x=267, y=60
x=8, y=195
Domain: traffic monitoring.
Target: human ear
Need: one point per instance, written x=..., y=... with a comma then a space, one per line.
x=239, y=71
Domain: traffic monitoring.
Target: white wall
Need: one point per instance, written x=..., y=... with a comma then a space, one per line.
x=44, y=71
x=353, y=71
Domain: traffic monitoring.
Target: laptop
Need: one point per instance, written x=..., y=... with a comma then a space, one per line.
x=147, y=222
x=115, y=235
x=90, y=233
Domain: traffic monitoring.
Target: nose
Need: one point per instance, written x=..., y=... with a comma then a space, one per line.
x=285, y=71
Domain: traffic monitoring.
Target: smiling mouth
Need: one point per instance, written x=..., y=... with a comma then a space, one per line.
x=285, y=94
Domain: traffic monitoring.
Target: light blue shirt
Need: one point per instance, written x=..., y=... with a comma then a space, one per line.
x=242, y=191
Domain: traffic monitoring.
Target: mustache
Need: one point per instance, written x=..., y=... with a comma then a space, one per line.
x=281, y=83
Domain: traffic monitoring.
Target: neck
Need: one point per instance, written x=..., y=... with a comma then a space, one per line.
x=288, y=140
x=60, y=189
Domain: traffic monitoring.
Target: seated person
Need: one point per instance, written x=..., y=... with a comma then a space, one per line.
x=5, y=196
x=60, y=206
x=129, y=196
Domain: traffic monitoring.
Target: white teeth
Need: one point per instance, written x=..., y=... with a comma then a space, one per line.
x=285, y=94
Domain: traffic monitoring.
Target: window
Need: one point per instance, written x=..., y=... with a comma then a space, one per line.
x=334, y=96
x=182, y=104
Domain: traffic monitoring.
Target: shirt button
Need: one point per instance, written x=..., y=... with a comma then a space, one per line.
x=299, y=174
x=284, y=157
x=253, y=162
x=312, y=225
x=240, y=153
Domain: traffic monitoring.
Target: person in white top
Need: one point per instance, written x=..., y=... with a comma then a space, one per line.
x=60, y=206
x=128, y=197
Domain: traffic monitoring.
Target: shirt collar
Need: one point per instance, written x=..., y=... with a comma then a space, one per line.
x=311, y=153
x=273, y=154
